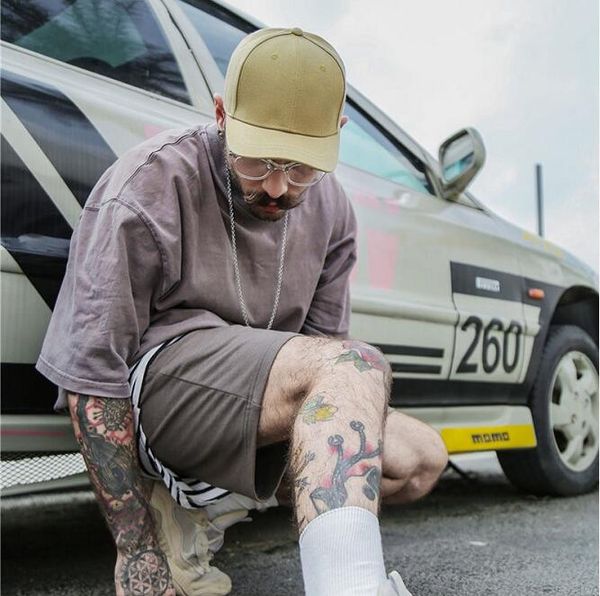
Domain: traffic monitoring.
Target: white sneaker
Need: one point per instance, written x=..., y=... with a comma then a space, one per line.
x=393, y=586
x=183, y=536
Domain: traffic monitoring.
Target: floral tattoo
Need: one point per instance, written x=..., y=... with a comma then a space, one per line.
x=105, y=432
x=315, y=410
x=363, y=356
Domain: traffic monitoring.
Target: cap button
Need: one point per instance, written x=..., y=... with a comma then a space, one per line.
x=297, y=31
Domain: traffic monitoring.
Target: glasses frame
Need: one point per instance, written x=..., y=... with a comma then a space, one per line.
x=273, y=166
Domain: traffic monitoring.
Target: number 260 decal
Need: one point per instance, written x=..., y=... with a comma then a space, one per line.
x=491, y=350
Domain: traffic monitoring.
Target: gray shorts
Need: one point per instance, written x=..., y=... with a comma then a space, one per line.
x=197, y=413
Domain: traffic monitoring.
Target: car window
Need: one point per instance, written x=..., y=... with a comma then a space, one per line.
x=220, y=31
x=366, y=147
x=120, y=39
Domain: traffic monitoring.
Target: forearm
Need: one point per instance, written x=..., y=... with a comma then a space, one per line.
x=105, y=432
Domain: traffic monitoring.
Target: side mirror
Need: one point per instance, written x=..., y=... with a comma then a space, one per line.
x=461, y=157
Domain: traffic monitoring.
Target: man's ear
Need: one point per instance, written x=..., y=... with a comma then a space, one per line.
x=343, y=121
x=219, y=111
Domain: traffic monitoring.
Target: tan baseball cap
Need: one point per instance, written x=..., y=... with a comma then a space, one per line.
x=284, y=97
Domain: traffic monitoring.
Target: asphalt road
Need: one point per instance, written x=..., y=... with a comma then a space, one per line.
x=469, y=537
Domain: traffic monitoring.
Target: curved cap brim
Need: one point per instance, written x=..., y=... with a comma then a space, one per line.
x=253, y=141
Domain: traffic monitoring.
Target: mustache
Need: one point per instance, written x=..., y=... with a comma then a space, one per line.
x=262, y=199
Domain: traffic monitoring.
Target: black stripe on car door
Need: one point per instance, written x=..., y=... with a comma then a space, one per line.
x=33, y=229
x=70, y=141
x=412, y=367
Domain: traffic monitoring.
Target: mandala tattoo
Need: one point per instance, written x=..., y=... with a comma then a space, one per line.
x=146, y=573
x=363, y=356
x=334, y=495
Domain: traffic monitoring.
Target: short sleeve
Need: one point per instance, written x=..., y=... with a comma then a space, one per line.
x=103, y=308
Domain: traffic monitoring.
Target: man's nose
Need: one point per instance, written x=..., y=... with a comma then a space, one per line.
x=275, y=185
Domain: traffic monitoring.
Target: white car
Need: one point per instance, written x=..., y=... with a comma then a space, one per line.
x=491, y=331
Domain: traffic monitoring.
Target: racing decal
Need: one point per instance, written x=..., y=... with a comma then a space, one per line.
x=33, y=229
x=478, y=281
x=381, y=271
x=58, y=126
x=511, y=436
x=417, y=368
x=490, y=285
x=492, y=340
x=493, y=352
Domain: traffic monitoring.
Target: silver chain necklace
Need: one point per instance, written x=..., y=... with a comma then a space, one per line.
x=236, y=267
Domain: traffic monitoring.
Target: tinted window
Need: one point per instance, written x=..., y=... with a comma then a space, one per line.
x=366, y=147
x=220, y=31
x=119, y=39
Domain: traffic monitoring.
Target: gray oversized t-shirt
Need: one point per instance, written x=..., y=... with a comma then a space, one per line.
x=151, y=259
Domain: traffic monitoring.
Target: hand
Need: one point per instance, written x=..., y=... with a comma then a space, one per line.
x=143, y=573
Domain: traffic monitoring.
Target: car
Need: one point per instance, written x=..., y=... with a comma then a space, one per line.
x=491, y=331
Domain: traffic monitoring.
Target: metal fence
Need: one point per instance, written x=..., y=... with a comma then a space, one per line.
x=22, y=472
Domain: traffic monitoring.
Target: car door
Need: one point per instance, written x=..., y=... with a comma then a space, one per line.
x=447, y=267
x=82, y=82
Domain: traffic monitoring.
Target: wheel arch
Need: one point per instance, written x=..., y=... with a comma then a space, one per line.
x=578, y=306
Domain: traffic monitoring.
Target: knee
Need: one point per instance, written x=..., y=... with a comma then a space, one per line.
x=308, y=362
x=357, y=359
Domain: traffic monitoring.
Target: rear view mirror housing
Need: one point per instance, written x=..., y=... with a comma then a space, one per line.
x=461, y=157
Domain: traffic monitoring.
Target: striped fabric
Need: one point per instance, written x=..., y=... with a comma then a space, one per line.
x=188, y=492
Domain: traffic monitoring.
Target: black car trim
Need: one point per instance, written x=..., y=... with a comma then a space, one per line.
x=25, y=390
x=415, y=368
x=395, y=350
x=424, y=393
x=463, y=279
x=34, y=231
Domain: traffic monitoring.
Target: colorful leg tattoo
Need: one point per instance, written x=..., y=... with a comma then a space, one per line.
x=335, y=494
x=363, y=356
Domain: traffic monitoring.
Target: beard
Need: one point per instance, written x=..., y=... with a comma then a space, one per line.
x=259, y=201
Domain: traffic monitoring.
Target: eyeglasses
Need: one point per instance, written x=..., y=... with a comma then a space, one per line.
x=297, y=174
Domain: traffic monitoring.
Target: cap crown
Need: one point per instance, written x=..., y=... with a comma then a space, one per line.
x=286, y=80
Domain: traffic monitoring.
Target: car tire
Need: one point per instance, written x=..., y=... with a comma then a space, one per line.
x=564, y=406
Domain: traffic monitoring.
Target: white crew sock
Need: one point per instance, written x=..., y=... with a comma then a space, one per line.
x=341, y=553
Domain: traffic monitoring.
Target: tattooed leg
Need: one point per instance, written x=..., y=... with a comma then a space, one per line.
x=104, y=429
x=333, y=493
x=337, y=437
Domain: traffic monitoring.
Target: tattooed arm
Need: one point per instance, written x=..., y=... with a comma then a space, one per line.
x=105, y=433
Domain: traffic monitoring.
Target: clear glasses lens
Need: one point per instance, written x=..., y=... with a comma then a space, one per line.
x=254, y=169
x=259, y=169
x=302, y=175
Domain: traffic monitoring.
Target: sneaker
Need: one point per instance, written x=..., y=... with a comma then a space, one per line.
x=393, y=586
x=182, y=535
x=228, y=511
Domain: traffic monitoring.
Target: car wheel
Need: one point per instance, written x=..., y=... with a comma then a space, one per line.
x=564, y=406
